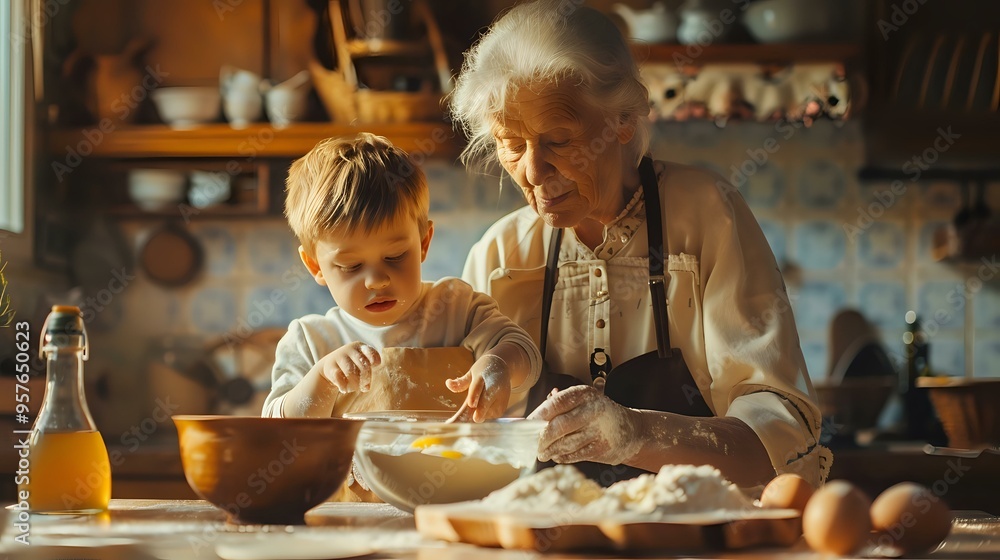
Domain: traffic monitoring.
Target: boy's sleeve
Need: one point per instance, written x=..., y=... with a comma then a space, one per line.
x=487, y=326
x=293, y=358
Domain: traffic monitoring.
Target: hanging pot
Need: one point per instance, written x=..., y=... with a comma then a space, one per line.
x=171, y=256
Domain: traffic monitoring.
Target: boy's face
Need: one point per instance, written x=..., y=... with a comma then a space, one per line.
x=375, y=275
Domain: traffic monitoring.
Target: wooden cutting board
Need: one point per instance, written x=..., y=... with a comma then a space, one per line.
x=469, y=522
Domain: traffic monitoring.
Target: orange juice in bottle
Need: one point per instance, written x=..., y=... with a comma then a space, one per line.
x=69, y=470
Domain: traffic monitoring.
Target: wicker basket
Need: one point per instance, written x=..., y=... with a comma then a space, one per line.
x=345, y=101
x=969, y=409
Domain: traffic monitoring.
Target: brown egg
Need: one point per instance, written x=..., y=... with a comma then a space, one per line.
x=836, y=518
x=910, y=517
x=787, y=491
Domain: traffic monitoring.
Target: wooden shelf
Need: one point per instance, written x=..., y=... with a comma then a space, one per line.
x=378, y=47
x=431, y=139
x=184, y=211
x=671, y=53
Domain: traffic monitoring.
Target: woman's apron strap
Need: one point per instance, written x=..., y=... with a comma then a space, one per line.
x=657, y=255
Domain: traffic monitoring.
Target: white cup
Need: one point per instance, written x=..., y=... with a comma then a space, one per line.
x=242, y=107
x=286, y=105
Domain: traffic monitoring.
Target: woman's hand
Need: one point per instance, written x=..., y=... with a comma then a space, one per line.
x=585, y=425
x=488, y=383
x=349, y=368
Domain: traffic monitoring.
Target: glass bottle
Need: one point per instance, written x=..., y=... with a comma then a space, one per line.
x=69, y=469
x=922, y=423
x=917, y=348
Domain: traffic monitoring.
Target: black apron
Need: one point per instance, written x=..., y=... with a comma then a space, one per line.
x=659, y=380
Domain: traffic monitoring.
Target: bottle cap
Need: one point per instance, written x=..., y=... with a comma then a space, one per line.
x=66, y=309
x=64, y=319
x=63, y=328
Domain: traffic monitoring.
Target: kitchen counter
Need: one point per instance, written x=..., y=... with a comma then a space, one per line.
x=192, y=529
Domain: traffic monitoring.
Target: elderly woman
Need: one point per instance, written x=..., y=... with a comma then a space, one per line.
x=649, y=287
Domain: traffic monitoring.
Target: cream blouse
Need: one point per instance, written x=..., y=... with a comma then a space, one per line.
x=729, y=311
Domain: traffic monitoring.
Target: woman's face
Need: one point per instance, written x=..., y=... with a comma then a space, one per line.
x=563, y=153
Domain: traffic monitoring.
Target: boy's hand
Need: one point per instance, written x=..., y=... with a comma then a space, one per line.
x=488, y=383
x=349, y=367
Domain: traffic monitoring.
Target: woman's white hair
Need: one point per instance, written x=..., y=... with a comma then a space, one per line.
x=541, y=42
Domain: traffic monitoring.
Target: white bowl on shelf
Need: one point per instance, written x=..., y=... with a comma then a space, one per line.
x=187, y=107
x=791, y=21
x=156, y=189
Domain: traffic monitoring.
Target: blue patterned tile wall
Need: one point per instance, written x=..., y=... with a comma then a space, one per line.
x=841, y=242
x=821, y=185
x=219, y=248
x=883, y=245
x=883, y=302
x=844, y=243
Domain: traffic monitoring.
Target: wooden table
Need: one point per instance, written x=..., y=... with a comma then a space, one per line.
x=182, y=529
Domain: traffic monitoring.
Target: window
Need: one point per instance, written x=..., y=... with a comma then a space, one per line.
x=12, y=111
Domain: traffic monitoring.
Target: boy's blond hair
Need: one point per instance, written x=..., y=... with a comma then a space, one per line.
x=363, y=182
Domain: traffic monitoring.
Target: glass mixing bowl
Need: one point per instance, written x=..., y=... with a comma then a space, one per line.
x=410, y=458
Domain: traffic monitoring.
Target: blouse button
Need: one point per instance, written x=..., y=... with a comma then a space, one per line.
x=600, y=323
x=597, y=272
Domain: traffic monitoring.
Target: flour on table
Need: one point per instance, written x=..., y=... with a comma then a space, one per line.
x=676, y=489
x=561, y=487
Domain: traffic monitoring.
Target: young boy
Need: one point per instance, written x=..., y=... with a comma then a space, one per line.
x=359, y=209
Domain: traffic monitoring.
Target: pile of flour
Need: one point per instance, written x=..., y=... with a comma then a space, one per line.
x=560, y=488
x=676, y=489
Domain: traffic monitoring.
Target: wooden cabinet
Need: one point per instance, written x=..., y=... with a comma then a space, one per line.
x=935, y=77
x=254, y=160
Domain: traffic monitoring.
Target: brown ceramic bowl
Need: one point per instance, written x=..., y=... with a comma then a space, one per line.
x=266, y=470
